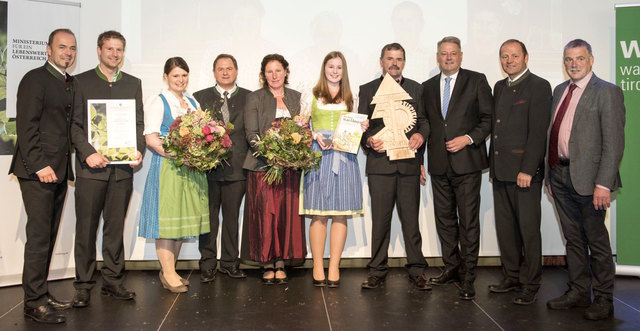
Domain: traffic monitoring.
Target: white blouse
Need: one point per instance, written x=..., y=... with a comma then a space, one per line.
x=154, y=109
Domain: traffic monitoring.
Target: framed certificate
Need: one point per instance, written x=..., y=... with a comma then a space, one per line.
x=112, y=128
x=348, y=133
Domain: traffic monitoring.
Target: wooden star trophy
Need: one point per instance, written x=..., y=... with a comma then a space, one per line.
x=399, y=117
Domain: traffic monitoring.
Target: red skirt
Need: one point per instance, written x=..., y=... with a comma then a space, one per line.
x=275, y=228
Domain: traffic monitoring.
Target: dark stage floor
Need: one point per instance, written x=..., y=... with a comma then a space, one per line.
x=228, y=304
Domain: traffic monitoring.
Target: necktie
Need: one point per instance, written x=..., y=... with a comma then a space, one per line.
x=225, y=108
x=446, y=96
x=555, y=129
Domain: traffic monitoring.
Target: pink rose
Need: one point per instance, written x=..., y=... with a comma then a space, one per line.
x=206, y=130
x=226, y=141
x=209, y=138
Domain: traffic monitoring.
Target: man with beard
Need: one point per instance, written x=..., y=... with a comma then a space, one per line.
x=42, y=163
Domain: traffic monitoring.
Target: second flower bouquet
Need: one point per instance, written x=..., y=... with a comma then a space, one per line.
x=287, y=145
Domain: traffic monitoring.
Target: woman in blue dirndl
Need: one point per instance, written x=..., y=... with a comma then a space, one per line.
x=175, y=199
x=334, y=190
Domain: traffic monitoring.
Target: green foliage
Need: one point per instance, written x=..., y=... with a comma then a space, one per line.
x=7, y=128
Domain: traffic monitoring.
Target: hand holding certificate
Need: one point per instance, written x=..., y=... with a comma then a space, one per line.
x=112, y=129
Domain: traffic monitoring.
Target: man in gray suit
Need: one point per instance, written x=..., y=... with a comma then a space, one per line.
x=586, y=143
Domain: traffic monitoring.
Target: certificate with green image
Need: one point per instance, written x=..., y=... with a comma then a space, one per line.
x=112, y=129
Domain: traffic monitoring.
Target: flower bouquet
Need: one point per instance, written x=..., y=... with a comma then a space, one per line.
x=197, y=141
x=287, y=144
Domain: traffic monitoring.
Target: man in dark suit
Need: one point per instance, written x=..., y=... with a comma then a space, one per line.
x=42, y=163
x=103, y=188
x=586, y=143
x=522, y=109
x=394, y=182
x=228, y=182
x=458, y=104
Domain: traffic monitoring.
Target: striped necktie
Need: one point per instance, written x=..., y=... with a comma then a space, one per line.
x=446, y=96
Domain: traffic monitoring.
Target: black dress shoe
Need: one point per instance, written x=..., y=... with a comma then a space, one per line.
x=569, y=300
x=446, y=277
x=506, y=285
x=232, y=271
x=600, y=309
x=372, y=282
x=81, y=298
x=280, y=281
x=207, y=276
x=44, y=314
x=319, y=283
x=57, y=304
x=269, y=280
x=118, y=292
x=467, y=291
x=421, y=282
x=333, y=283
x=526, y=296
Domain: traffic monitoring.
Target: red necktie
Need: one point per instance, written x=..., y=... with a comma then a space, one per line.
x=555, y=129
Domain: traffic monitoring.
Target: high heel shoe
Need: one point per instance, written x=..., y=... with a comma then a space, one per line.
x=319, y=283
x=173, y=289
x=333, y=283
x=184, y=282
x=281, y=281
x=268, y=280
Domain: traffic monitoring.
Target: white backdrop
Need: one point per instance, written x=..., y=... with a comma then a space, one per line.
x=304, y=31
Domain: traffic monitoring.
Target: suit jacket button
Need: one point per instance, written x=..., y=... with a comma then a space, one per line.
x=498, y=120
x=496, y=152
x=495, y=136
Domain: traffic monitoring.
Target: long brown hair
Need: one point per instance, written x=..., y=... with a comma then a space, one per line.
x=321, y=90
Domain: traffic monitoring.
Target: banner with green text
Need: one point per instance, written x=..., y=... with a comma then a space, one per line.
x=628, y=78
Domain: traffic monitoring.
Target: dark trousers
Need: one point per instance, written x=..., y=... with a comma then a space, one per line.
x=402, y=191
x=517, y=212
x=585, y=232
x=456, y=203
x=228, y=195
x=111, y=199
x=43, y=204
